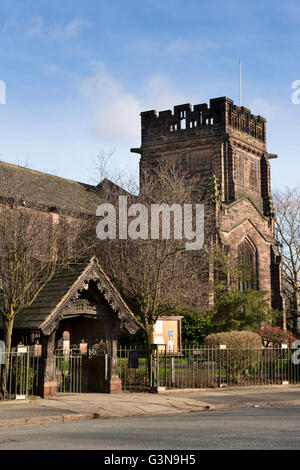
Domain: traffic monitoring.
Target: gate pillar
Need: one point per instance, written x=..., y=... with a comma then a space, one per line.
x=47, y=381
x=112, y=330
x=115, y=383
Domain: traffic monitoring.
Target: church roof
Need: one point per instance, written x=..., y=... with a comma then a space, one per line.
x=48, y=307
x=51, y=191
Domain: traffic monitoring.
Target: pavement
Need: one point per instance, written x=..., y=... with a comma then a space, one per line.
x=78, y=407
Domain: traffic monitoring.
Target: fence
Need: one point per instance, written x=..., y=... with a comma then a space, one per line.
x=76, y=373
x=23, y=372
x=133, y=370
x=202, y=367
x=207, y=367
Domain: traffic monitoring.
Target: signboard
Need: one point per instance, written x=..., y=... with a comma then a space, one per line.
x=167, y=331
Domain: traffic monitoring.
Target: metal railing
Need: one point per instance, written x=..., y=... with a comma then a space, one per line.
x=211, y=367
x=22, y=374
x=133, y=370
x=201, y=367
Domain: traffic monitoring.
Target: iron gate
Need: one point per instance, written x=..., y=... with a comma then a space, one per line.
x=68, y=371
x=97, y=372
x=77, y=373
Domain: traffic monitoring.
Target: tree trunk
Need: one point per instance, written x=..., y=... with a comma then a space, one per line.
x=149, y=342
x=296, y=313
x=8, y=329
x=297, y=298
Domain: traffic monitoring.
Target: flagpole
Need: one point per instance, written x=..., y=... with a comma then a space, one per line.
x=240, y=67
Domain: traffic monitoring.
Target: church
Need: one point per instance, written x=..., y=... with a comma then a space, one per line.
x=220, y=141
x=227, y=143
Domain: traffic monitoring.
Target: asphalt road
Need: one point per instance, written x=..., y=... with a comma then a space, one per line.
x=240, y=429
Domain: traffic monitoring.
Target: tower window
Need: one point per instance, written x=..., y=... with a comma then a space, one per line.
x=240, y=169
x=234, y=120
x=259, y=133
x=253, y=174
x=200, y=161
x=247, y=266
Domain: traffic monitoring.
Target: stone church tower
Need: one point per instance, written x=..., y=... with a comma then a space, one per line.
x=226, y=144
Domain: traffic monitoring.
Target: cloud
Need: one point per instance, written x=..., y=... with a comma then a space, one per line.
x=159, y=92
x=262, y=107
x=69, y=30
x=50, y=69
x=35, y=27
x=115, y=111
x=183, y=46
x=176, y=47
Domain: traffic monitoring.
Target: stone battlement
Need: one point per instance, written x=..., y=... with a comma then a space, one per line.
x=222, y=112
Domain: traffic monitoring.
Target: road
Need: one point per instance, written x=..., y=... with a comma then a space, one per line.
x=244, y=429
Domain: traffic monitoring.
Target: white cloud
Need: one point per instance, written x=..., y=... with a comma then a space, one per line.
x=50, y=69
x=183, y=46
x=69, y=30
x=176, y=47
x=115, y=112
x=260, y=106
x=35, y=27
x=160, y=93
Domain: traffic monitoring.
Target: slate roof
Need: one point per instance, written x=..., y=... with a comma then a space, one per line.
x=50, y=190
x=49, y=297
x=56, y=294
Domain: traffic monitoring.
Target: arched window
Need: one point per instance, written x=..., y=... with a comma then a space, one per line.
x=247, y=266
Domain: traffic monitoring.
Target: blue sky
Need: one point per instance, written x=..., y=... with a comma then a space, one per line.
x=78, y=73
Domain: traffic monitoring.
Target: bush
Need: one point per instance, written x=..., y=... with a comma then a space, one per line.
x=243, y=350
x=234, y=339
x=237, y=310
x=195, y=326
x=275, y=336
x=19, y=375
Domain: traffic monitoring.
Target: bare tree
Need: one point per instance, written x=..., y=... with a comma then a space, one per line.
x=105, y=174
x=34, y=244
x=152, y=271
x=287, y=227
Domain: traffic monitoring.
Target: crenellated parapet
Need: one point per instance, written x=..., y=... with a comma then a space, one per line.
x=241, y=118
x=188, y=120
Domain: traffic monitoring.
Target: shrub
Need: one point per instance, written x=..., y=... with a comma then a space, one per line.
x=195, y=326
x=243, y=350
x=19, y=375
x=275, y=336
x=234, y=339
x=237, y=310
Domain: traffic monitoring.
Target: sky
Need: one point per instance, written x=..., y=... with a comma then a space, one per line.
x=78, y=73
